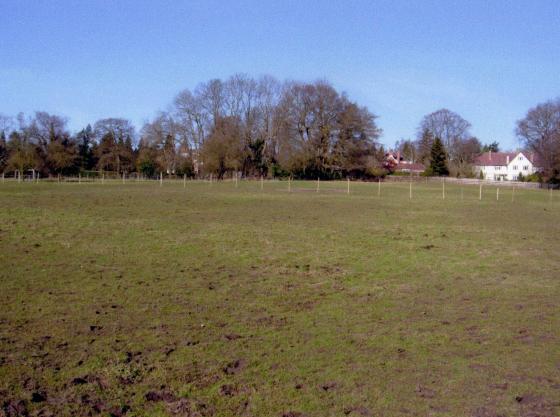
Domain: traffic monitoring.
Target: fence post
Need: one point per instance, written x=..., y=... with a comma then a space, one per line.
x=160, y=178
x=123, y=177
x=379, y=187
x=38, y=176
x=290, y=184
x=184, y=180
x=317, y=184
x=497, y=193
x=480, y=193
x=410, y=191
x=550, y=193
x=3, y=179
x=79, y=177
x=262, y=183
x=348, y=185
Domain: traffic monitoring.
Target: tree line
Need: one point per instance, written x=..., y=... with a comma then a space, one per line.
x=258, y=127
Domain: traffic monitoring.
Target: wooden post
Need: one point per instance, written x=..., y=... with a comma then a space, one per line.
x=379, y=187
x=550, y=192
x=160, y=178
x=38, y=176
x=79, y=177
x=497, y=193
x=348, y=185
x=123, y=178
x=480, y=192
x=262, y=183
x=3, y=178
x=318, y=184
x=410, y=191
x=290, y=184
x=184, y=180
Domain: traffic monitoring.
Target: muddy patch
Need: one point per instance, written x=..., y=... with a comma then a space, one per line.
x=234, y=367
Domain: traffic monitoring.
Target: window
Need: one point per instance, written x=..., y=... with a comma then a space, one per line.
x=525, y=167
x=521, y=158
x=497, y=168
x=515, y=167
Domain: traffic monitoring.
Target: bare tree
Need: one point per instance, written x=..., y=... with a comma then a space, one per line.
x=162, y=135
x=446, y=125
x=539, y=131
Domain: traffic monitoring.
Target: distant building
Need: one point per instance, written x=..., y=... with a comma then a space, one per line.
x=506, y=166
x=395, y=163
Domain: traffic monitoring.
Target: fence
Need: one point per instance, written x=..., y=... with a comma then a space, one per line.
x=468, y=181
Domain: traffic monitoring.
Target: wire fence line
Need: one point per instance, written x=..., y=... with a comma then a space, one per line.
x=433, y=188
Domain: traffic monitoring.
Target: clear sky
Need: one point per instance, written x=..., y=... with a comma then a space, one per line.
x=489, y=61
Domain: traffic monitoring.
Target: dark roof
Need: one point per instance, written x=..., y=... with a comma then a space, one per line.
x=501, y=158
x=494, y=158
x=412, y=166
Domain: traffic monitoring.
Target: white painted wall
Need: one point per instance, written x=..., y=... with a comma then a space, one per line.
x=510, y=172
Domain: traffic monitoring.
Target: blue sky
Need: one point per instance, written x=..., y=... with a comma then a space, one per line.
x=490, y=61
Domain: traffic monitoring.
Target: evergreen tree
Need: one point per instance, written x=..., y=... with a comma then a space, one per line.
x=494, y=147
x=86, y=156
x=438, y=159
x=3, y=152
x=424, y=146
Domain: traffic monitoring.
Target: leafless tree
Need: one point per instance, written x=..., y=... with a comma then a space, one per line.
x=539, y=131
x=446, y=125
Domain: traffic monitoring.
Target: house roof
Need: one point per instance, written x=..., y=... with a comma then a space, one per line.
x=412, y=166
x=501, y=158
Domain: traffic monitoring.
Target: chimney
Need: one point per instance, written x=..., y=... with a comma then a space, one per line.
x=490, y=152
x=507, y=160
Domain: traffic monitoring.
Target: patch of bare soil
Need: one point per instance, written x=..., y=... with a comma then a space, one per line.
x=486, y=412
x=424, y=392
x=329, y=386
x=357, y=411
x=186, y=407
x=234, y=367
x=532, y=405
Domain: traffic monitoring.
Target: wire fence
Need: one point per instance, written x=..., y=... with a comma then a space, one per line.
x=413, y=189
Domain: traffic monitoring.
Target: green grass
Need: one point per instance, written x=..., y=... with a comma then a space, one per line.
x=242, y=302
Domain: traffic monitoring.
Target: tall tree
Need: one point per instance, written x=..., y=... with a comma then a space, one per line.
x=86, y=148
x=539, y=131
x=4, y=155
x=62, y=155
x=438, y=159
x=424, y=145
x=223, y=149
x=446, y=125
x=23, y=155
x=490, y=147
x=115, y=141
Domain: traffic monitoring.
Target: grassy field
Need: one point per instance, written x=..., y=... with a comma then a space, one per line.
x=211, y=300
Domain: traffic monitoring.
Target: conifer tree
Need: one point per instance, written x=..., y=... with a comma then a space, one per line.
x=438, y=159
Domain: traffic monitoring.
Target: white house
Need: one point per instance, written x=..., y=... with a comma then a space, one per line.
x=506, y=166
